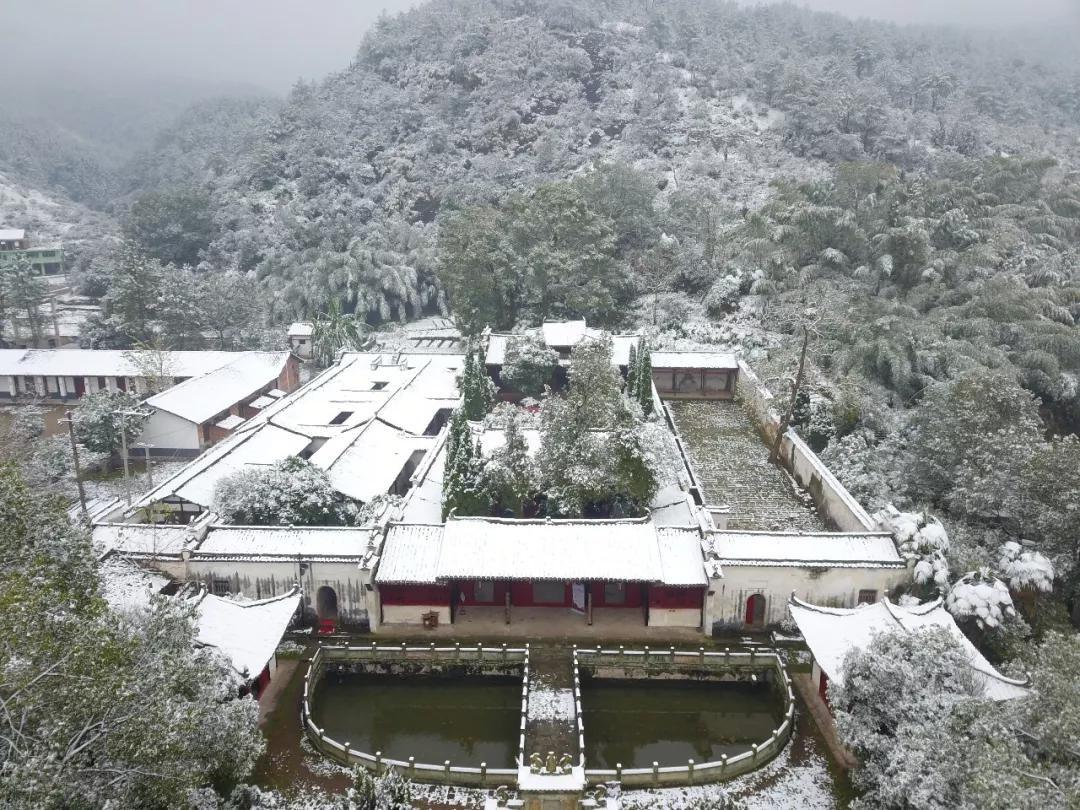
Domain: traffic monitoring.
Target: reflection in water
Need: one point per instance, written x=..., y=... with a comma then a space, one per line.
x=464, y=720
x=641, y=722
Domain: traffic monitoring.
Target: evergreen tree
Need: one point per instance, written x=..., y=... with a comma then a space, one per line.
x=24, y=291
x=510, y=470
x=644, y=379
x=464, y=492
x=477, y=390
x=632, y=371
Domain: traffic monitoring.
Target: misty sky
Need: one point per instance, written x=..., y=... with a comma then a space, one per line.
x=271, y=43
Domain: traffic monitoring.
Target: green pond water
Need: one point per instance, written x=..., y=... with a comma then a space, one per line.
x=641, y=722
x=464, y=720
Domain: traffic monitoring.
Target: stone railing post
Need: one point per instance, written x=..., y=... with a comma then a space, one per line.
x=446, y=770
x=457, y=650
x=618, y=771
x=483, y=773
x=701, y=655
x=723, y=763
x=378, y=761
x=656, y=772
x=412, y=767
x=753, y=756
x=690, y=770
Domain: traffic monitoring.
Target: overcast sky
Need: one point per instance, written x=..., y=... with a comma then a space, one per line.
x=271, y=43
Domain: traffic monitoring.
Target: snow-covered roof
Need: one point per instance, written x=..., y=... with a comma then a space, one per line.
x=126, y=585
x=262, y=402
x=141, y=538
x=285, y=541
x=710, y=360
x=109, y=362
x=10, y=234
x=254, y=445
x=831, y=632
x=680, y=556
x=301, y=329
x=818, y=550
x=620, y=344
x=410, y=554
x=563, y=333
x=230, y=422
x=246, y=632
x=365, y=462
x=201, y=398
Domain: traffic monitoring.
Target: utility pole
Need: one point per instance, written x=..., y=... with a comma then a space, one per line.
x=149, y=470
x=796, y=386
x=75, y=458
x=124, y=453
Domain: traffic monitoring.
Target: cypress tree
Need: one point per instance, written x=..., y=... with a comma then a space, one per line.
x=631, y=372
x=477, y=391
x=644, y=381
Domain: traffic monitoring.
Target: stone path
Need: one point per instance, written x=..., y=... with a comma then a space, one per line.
x=823, y=719
x=550, y=724
x=732, y=463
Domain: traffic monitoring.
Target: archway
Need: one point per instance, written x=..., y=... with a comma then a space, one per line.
x=755, y=610
x=326, y=604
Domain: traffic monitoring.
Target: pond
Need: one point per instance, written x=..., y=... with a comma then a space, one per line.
x=637, y=723
x=464, y=720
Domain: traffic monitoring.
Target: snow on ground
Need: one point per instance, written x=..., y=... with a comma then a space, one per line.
x=550, y=704
x=783, y=783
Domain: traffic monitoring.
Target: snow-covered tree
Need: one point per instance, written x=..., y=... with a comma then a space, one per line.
x=477, y=390
x=1025, y=569
x=529, y=365
x=895, y=711
x=509, y=472
x=292, y=492
x=464, y=488
x=919, y=537
x=103, y=709
x=334, y=331
x=643, y=379
x=100, y=419
x=981, y=597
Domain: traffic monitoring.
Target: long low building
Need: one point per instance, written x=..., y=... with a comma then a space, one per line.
x=63, y=375
x=752, y=574
x=560, y=564
x=203, y=410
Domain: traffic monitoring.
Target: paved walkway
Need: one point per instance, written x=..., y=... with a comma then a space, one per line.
x=732, y=463
x=550, y=624
x=823, y=719
x=271, y=698
x=550, y=722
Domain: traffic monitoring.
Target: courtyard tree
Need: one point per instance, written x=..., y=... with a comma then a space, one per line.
x=477, y=389
x=643, y=379
x=292, y=492
x=509, y=472
x=464, y=491
x=529, y=365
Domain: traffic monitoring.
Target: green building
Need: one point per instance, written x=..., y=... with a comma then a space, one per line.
x=48, y=260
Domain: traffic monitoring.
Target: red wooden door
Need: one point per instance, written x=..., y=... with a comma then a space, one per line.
x=755, y=609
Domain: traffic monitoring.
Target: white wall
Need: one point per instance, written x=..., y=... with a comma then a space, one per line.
x=831, y=497
x=832, y=587
x=413, y=614
x=674, y=617
x=167, y=431
x=264, y=578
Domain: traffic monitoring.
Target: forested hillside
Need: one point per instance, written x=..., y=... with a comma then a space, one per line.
x=716, y=173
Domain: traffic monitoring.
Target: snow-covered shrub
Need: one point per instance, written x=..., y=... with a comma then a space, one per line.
x=1025, y=569
x=292, y=492
x=919, y=537
x=981, y=596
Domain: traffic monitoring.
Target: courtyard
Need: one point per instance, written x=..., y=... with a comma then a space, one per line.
x=732, y=464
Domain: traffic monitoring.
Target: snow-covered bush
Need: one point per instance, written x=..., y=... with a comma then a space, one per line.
x=919, y=537
x=529, y=365
x=981, y=596
x=1024, y=569
x=292, y=492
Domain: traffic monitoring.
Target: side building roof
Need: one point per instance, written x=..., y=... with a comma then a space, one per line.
x=800, y=550
x=831, y=633
x=246, y=632
x=199, y=399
